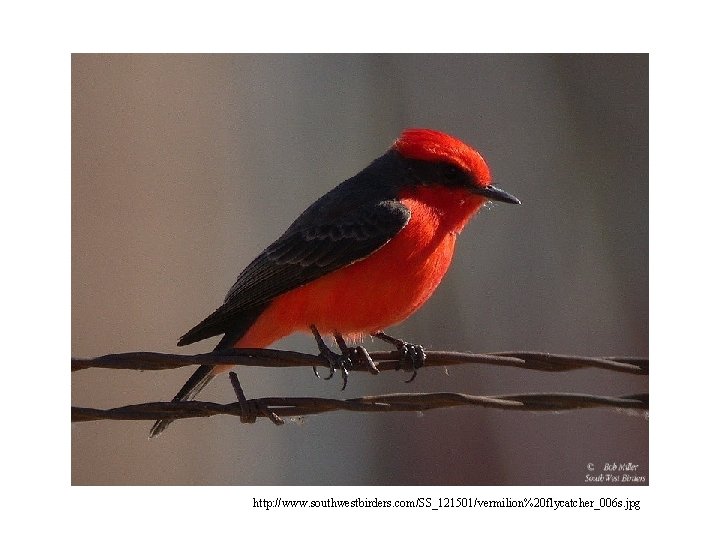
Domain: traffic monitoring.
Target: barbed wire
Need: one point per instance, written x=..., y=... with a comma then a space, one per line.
x=275, y=408
x=384, y=360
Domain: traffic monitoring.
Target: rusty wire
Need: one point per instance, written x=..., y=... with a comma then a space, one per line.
x=275, y=408
x=385, y=361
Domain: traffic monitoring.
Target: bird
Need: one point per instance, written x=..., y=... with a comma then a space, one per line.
x=362, y=258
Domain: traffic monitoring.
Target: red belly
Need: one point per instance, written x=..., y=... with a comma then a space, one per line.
x=369, y=295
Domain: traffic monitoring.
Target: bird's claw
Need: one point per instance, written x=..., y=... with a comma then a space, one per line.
x=412, y=358
x=349, y=357
x=335, y=361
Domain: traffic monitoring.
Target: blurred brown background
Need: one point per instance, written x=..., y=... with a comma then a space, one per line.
x=184, y=167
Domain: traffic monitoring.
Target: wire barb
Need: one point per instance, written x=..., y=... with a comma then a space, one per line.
x=249, y=410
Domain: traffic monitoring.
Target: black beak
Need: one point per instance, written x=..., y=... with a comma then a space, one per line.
x=495, y=194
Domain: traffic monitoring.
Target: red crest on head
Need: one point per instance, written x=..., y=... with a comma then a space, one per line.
x=429, y=145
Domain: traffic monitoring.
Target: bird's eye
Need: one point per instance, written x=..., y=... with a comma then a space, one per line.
x=452, y=173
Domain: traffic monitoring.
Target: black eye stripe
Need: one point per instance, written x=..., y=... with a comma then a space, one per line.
x=438, y=173
x=452, y=175
x=451, y=171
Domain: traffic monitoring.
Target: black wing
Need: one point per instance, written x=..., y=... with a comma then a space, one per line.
x=318, y=243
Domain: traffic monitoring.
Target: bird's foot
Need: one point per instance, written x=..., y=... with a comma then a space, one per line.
x=344, y=362
x=333, y=359
x=357, y=355
x=412, y=357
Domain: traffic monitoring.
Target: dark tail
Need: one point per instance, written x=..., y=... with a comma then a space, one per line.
x=190, y=389
x=203, y=374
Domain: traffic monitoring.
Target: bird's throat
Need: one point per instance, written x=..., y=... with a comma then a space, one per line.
x=448, y=208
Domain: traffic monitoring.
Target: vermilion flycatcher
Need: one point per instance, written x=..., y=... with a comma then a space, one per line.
x=361, y=258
